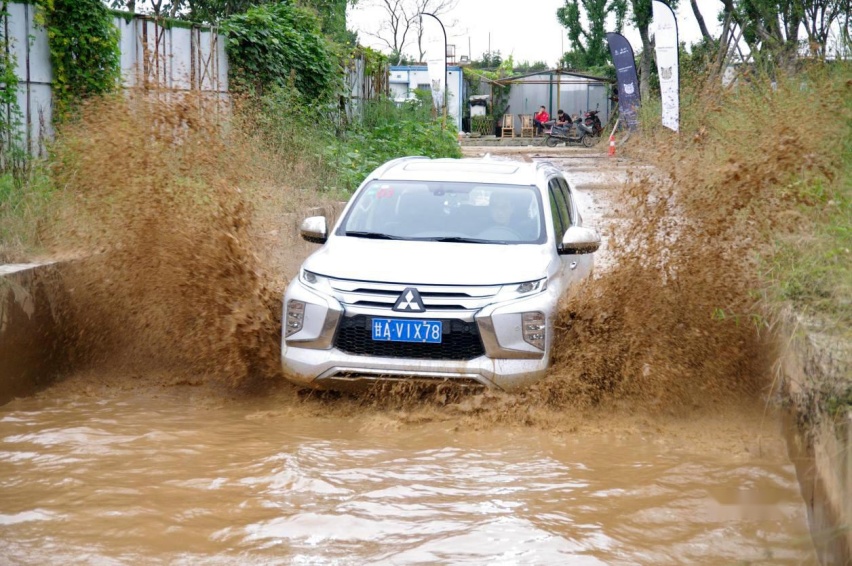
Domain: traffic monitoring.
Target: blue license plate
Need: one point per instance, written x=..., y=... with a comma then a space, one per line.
x=407, y=330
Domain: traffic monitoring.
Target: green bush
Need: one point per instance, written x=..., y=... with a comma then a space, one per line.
x=279, y=45
x=303, y=136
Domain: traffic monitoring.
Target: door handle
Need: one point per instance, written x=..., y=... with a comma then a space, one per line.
x=573, y=265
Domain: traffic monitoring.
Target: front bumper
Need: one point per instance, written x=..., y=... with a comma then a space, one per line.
x=309, y=357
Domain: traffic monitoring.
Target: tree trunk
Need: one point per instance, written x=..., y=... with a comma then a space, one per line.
x=645, y=64
x=700, y=19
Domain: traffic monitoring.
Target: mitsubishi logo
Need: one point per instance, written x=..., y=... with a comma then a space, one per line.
x=409, y=301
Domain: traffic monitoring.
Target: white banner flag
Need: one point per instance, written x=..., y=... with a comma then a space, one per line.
x=667, y=63
x=436, y=63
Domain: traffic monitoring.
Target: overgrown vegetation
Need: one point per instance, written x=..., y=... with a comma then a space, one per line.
x=807, y=211
x=279, y=45
x=84, y=56
x=11, y=145
x=303, y=134
x=84, y=52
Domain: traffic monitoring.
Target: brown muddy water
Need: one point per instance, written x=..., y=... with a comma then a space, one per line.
x=185, y=477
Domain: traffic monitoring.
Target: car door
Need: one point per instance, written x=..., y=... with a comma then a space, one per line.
x=578, y=265
x=561, y=221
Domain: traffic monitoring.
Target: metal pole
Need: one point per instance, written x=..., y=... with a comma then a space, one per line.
x=446, y=69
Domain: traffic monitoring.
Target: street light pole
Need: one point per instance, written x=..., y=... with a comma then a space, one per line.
x=446, y=69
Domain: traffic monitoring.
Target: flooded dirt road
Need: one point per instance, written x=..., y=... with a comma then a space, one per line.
x=131, y=463
x=191, y=478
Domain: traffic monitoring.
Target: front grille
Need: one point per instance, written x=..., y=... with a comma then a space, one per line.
x=458, y=301
x=462, y=342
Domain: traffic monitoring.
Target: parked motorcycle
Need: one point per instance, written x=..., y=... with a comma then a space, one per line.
x=591, y=120
x=576, y=133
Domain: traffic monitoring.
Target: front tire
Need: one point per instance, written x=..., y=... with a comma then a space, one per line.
x=551, y=141
x=588, y=141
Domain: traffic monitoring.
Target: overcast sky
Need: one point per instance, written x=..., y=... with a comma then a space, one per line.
x=528, y=30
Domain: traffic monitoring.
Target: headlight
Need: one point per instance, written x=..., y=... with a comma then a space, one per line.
x=314, y=281
x=518, y=290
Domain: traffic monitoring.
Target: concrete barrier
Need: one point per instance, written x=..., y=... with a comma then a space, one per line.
x=816, y=368
x=32, y=349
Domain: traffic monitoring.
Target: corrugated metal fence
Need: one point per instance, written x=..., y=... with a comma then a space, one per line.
x=154, y=54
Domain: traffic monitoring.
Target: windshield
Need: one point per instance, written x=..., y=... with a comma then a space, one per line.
x=451, y=212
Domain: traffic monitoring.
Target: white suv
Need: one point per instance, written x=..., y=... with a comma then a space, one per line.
x=437, y=270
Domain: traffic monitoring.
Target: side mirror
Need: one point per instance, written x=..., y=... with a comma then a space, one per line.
x=314, y=229
x=580, y=240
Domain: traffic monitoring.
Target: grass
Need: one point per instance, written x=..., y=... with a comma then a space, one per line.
x=24, y=203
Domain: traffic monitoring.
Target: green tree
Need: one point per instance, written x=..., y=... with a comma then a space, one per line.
x=489, y=60
x=332, y=13
x=588, y=38
x=527, y=67
x=771, y=27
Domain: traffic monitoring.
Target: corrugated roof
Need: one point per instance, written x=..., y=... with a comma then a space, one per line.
x=562, y=72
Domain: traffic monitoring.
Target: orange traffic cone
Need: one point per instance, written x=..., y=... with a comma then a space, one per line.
x=611, y=145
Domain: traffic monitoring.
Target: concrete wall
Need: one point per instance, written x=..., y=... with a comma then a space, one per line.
x=816, y=366
x=32, y=349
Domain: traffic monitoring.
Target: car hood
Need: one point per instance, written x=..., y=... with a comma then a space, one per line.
x=429, y=263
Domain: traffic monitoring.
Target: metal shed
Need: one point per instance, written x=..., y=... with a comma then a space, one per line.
x=556, y=89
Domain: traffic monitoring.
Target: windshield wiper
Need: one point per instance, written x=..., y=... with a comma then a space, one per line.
x=462, y=240
x=371, y=235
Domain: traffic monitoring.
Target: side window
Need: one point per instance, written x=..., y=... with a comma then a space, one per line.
x=558, y=222
x=566, y=194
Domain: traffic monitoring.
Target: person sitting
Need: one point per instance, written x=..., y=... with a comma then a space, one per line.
x=562, y=123
x=509, y=221
x=539, y=120
x=500, y=206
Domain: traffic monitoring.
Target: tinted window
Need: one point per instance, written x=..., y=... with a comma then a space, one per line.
x=558, y=222
x=566, y=194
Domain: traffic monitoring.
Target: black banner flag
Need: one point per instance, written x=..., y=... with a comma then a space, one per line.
x=625, y=74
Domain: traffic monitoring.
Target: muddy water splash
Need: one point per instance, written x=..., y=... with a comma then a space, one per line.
x=166, y=199
x=158, y=200
x=679, y=320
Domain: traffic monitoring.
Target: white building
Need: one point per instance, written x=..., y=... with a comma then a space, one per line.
x=404, y=80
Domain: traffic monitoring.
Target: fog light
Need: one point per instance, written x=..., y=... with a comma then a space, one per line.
x=534, y=328
x=295, y=317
